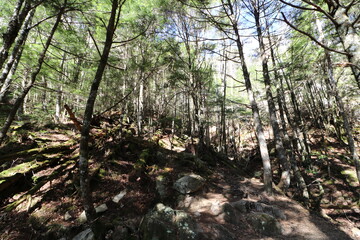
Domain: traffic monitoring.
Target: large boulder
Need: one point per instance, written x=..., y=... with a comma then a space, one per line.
x=264, y=223
x=189, y=183
x=163, y=223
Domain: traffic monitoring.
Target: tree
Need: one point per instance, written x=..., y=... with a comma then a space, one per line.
x=34, y=74
x=22, y=8
x=14, y=59
x=227, y=21
x=259, y=9
x=345, y=17
x=84, y=142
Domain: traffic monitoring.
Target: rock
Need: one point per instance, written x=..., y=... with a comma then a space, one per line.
x=195, y=203
x=245, y=206
x=189, y=183
x=216, y=208
x=219, y=232
x=264, y=224
x=85, y=235
x=67, y=216
x=162, y=187
x=82, y=217
x=229, y=212
x=118, y=197
x=101, y=208
x=241, y=206
x=163, y=223
x=121, y=232
x=356, y=232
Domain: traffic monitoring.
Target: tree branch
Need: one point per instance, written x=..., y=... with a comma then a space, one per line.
x=313, y=38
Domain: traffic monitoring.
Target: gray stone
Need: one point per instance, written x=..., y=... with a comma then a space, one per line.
x=264, y=223
x=120, y=233
x=189, y=183
x=356, y=232
x=101, y=208
x=85, y=235
x=82, y=218
x=118, y=197
x=162, y=187
x=163, y=223
x=67, y=216
x=221, y=233
x=245, y=206
x=241, y=206
x=230, y=215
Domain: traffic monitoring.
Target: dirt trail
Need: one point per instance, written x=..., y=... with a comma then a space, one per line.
x=299, y=222
x=55, y=195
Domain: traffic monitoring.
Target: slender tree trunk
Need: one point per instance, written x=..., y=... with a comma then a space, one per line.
x=140, y=105
x=6, y=86
x=58, y=105
x=84, y=142
x=17, y=49
x=189, y=129
x=350, y=40
x=255, y=110
x=44, y=95
x=286, y=167
x=341, y=106
x=223, y=136
x=22, y=8
x=33, y=76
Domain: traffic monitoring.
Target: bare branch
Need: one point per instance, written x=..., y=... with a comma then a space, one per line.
x=97, y=47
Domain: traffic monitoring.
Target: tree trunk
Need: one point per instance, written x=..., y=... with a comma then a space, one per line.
x=350, y=40
x=17, y=49
x=84, y=142
x=341, y=106
x=223, y=136
x=33, y=76
x=140, y=104
x=286, y=167
x=58, y=105
x=22, y=8
x=254, y=107
x=6, y=86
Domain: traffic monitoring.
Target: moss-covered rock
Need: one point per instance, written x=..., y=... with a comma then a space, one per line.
x=189, y=183
x=163, y=223
x=264, y=223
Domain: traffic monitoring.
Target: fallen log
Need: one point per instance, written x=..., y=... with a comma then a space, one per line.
x=9, y=181
x=33, y=190
x=34, y=151
x=73, y=118
x=12, y=175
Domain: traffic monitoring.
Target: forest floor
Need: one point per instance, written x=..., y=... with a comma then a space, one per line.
x=39, y=185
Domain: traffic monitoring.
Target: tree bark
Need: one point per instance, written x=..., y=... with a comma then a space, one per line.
x=341, y=106
x=285, y=163
x=19, y=100
x=22, y=8
x=17, y=49
x=84, y=142
x=254, y=107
